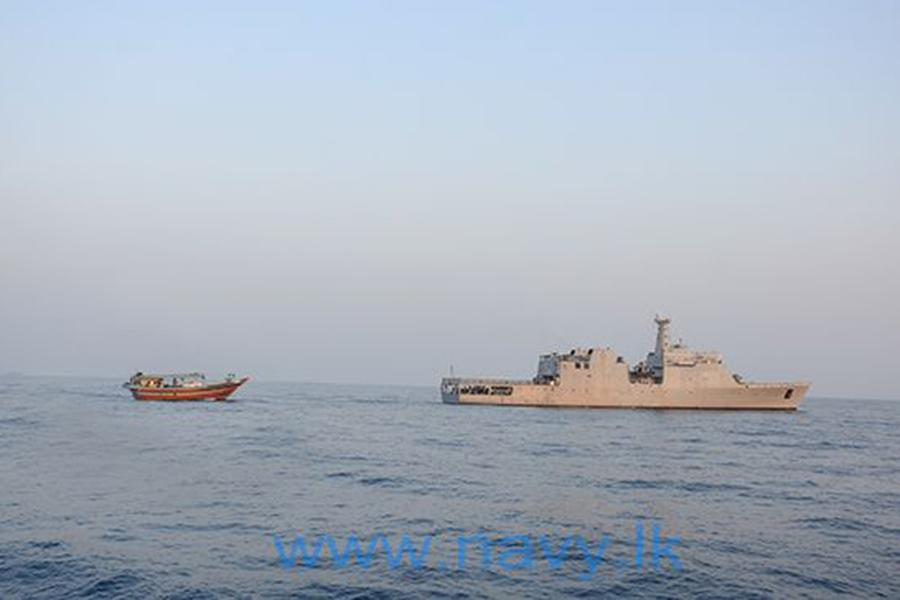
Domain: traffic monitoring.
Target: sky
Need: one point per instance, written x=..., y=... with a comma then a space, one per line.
x=371, y=192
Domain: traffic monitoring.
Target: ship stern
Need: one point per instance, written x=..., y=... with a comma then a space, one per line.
x=450, y=390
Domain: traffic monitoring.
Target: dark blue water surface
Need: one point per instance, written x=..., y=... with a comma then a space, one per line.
x=103, y=497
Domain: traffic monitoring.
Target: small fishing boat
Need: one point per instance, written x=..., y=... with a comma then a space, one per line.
x=181, y=386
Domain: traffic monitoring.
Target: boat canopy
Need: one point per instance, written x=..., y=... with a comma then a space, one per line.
x=167, y=380
x=187, y=376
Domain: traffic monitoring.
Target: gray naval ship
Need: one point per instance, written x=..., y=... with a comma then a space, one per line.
x=672, y=376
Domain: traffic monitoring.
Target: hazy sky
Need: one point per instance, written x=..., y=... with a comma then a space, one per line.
x=372, y=191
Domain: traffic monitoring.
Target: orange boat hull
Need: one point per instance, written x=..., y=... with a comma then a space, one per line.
x=214, y=392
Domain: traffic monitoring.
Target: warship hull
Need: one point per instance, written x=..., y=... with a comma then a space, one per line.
x=787, y=396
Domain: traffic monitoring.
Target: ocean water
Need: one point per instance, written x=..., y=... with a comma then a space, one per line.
x=105, y=497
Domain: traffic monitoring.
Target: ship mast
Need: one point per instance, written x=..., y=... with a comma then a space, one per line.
x=662, y=334
x=662, y=345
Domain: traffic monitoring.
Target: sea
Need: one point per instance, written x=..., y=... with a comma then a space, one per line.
x=299, y=490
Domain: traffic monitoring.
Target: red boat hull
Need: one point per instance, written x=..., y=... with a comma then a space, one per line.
x=214, y=392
